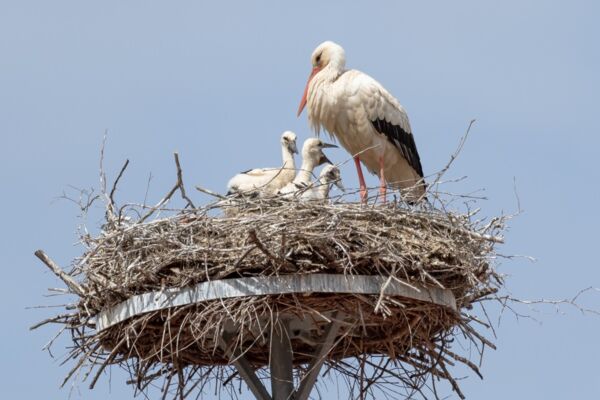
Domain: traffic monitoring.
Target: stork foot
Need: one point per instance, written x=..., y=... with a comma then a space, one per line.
x=361, y=181
x=383, y=194
x=382, y=182
x=364, y=195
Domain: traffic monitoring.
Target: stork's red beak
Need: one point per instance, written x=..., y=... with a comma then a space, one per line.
x=315, y=70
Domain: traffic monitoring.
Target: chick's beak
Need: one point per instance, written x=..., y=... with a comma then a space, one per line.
x=328, y=145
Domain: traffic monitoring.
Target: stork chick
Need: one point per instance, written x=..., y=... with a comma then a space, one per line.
x=267, y=181
x=367, y=120
x=312, y=157
x=329, y=176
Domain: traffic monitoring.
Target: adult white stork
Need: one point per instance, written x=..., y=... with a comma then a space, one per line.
x=330, y=175
x=268, y=180
x=312, y=157
x=367, y=120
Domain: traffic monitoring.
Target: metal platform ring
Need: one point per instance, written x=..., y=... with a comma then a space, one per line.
x=270, y=285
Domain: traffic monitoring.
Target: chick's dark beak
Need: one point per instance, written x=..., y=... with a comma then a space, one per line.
x=328, y=145
x=293, y=148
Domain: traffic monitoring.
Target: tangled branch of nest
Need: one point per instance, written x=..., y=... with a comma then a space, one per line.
x=384, y=343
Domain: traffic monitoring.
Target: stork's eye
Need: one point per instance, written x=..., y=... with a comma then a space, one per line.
x=318, y=59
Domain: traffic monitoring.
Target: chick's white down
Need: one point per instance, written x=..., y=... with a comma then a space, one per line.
x=330, y=175
x=267, y=181
x=312, y=157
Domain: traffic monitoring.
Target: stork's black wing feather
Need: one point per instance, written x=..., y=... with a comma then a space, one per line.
x=404, y=141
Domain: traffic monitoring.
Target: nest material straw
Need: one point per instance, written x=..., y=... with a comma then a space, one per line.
x=278, y=237
x=396, y=345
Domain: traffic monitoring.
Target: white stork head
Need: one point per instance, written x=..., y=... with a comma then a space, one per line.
x=328, y=56
x=288, y=141
x=331, y=174
x=312, y=152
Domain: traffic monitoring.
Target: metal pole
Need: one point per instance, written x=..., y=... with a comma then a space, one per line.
x=326, y=343
x=244, y=369
x=281, y=362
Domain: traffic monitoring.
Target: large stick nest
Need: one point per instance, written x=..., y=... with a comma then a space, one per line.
x=385, y=342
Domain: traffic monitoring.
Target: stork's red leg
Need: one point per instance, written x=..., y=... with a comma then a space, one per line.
x=382, y=182
x=361, y=181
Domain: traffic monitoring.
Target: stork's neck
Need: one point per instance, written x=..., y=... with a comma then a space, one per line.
x=288, y=158
x=323, y=189
x=331, y=72
x=321, y=98
x=305, y=174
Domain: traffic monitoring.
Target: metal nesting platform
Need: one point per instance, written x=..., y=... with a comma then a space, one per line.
x=286, y=328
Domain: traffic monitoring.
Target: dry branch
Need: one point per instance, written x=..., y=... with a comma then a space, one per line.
x=70, y=282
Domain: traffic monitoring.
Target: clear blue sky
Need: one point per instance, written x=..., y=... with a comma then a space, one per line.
x=219, y=82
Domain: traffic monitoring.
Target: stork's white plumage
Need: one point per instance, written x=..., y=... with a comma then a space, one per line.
x=312, y=157
x=267, y=181
x=329, y=176
x=367, y=120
